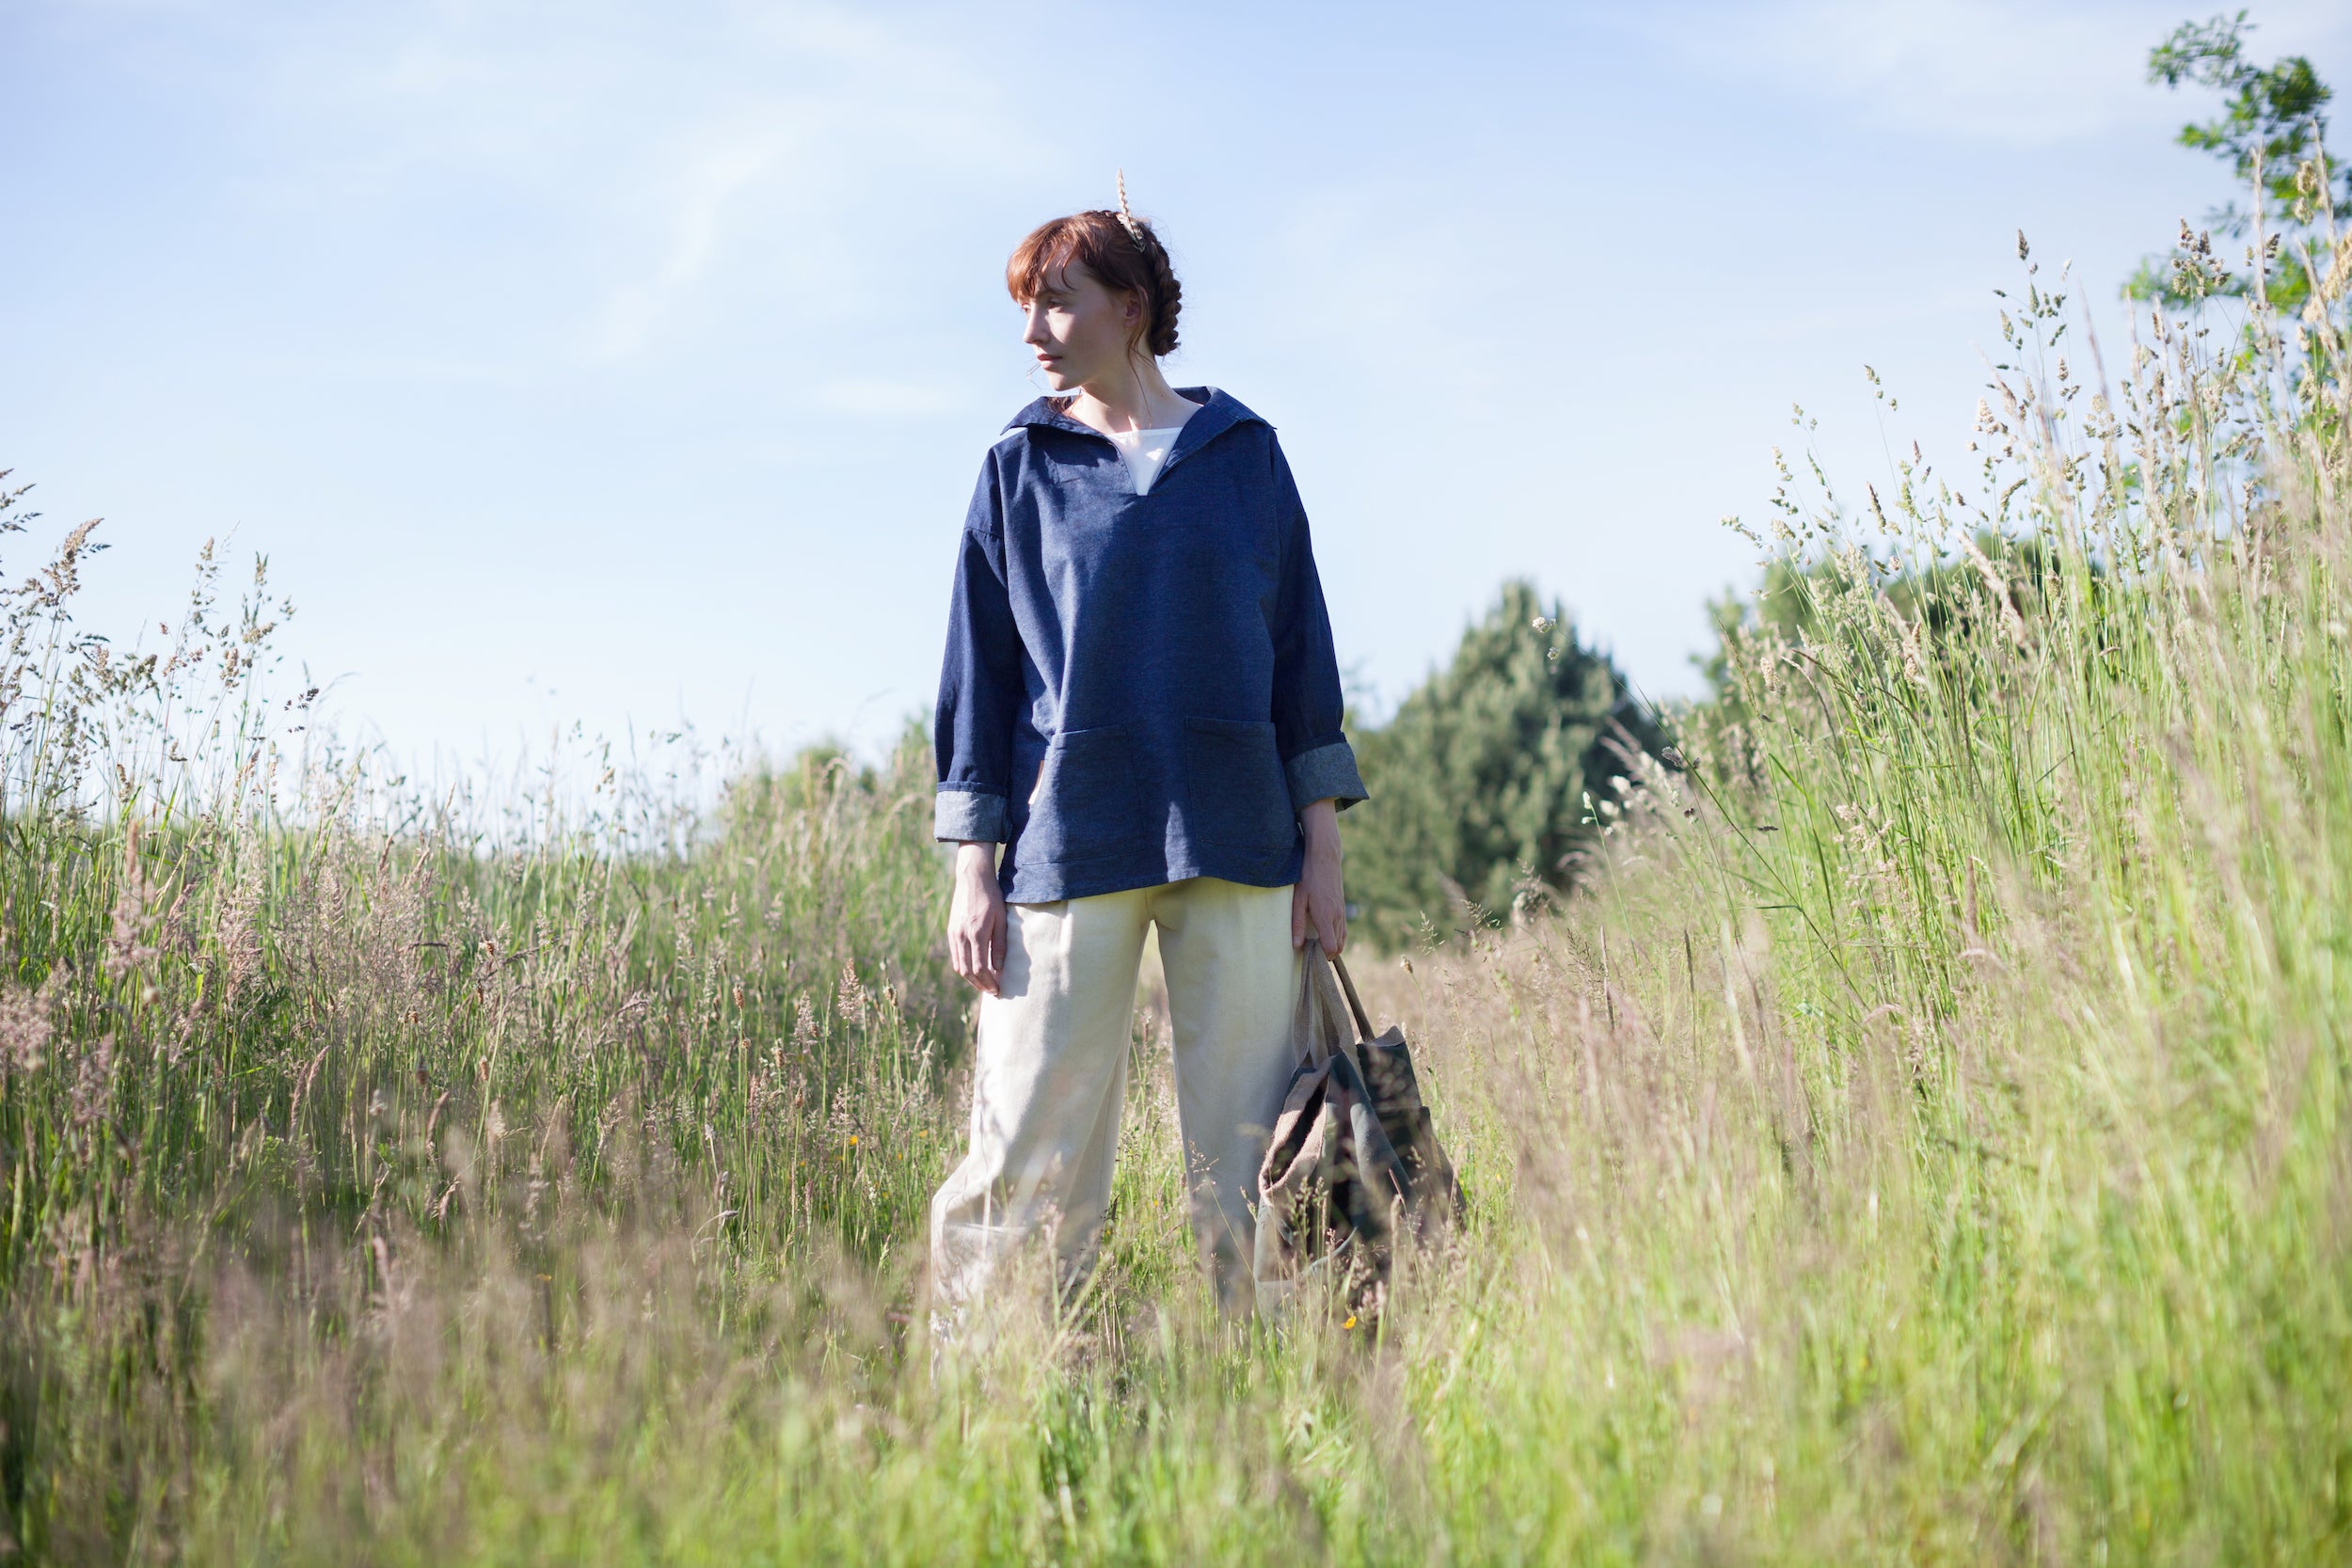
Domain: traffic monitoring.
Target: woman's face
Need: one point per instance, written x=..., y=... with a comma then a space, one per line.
x=1080, y=329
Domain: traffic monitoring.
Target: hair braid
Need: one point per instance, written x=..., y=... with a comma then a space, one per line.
x=1167, y=298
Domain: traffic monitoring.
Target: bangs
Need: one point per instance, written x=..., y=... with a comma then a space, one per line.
x=1051, y=246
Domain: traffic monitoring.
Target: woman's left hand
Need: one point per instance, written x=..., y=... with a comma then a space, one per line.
x=1317, y=902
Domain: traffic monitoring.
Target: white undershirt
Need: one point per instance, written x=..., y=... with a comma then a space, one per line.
x=1145, y=451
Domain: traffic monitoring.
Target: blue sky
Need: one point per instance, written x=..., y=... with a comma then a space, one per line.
x=624, y=364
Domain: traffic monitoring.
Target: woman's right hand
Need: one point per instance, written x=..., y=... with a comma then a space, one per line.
x=976, y=921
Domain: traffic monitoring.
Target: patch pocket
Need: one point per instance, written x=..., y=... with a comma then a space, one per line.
x=1235, y=792
x=1087, y=803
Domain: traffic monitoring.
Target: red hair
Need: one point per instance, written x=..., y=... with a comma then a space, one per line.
x=1125, y=262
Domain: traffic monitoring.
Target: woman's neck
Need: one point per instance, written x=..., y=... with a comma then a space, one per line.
x=1139, y=399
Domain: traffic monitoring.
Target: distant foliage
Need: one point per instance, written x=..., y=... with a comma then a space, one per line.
x=2272, y=131
x=1484, y=782
x=1940, y=602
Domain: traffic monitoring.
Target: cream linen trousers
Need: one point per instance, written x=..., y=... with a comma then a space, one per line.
x=1051, y=1076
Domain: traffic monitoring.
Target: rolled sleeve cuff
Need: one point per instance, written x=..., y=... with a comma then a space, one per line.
x=1327, y=772
x=968, y=815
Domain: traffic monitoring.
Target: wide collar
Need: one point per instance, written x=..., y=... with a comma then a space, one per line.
x=1219, y=413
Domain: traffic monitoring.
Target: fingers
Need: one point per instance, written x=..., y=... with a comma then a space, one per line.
x=1333, y=930
x=965, y=950
x=988, y=959
x=988, y=948
x=976, y=949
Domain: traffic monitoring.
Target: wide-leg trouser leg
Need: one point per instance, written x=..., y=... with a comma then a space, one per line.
x=1233, y=985
x=1050, y=1075
x=1050, y=1072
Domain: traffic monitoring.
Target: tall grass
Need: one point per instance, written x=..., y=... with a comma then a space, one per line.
x=1924, y=1144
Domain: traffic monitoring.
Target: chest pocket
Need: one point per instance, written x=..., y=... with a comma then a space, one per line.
x=1234, y=790
x=1087, y=803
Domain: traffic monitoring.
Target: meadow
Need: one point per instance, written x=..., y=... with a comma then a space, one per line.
x=1920, y=1140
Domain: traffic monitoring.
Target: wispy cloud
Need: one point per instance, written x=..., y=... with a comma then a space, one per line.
x=698, y=194
x=670, y=157
x=2007, y=73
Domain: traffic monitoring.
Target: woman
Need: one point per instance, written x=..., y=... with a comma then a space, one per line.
x=1141, y=705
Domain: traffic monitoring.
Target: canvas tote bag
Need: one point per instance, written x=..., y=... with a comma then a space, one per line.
x=1354, y=1156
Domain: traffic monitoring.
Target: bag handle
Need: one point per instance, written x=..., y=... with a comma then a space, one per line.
x=1318, y=1032
x=1354, y=1003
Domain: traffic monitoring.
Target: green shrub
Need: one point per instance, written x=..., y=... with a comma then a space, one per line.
x=1493, y=775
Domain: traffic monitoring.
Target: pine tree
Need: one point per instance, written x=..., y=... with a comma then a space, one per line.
x=1480, y=779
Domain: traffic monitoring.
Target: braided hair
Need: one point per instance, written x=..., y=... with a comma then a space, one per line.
x=1124, y=254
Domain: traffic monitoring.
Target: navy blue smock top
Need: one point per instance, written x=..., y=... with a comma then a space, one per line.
x=1137, y=688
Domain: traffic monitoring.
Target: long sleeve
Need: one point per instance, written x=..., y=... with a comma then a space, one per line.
x=1308, y=703
x=979, y=681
